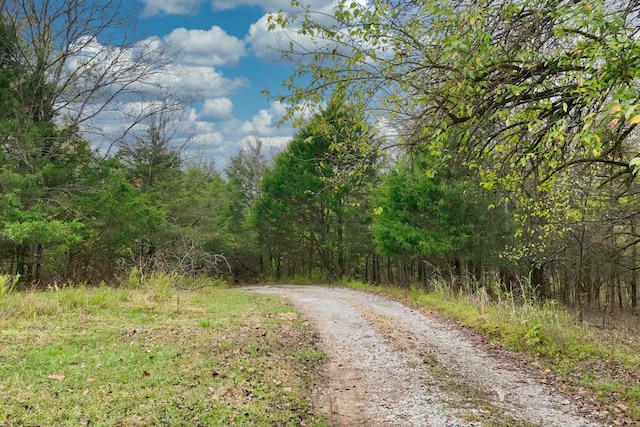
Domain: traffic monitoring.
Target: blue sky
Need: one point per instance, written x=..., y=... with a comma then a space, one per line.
x=227, y=57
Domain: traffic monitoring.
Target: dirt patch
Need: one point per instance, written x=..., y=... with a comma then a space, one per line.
x=341, y=394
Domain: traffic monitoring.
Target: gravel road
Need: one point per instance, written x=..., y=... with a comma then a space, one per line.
x=390, y=365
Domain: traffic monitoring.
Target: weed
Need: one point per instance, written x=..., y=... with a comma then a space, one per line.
x=205, y=324
x=7, y=284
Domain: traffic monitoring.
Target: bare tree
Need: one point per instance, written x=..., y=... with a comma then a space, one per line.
x=80, y=59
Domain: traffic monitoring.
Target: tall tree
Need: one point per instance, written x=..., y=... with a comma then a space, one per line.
x=244, y=175
x=78, y=59
x=304, y=211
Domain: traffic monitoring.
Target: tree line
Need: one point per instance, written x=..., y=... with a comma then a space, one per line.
x=489, y=144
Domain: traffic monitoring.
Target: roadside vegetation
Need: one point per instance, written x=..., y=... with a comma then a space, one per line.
x=152, y=355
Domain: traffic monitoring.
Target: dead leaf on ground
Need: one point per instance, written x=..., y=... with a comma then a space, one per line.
x=57, y=377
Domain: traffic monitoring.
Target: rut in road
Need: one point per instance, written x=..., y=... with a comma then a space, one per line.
x=390, y=365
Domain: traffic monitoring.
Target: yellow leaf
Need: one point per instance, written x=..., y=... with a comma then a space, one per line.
x=615, y=109
x=635, y=119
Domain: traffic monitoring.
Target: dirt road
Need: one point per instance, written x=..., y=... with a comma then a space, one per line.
x=390, y=365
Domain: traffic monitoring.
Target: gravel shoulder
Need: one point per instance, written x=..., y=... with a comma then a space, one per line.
x=390, y=365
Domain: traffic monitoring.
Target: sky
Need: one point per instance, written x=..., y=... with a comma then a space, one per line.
x=228, y=58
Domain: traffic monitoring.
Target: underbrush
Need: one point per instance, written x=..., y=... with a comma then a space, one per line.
x=152, y=354
x=599, y=367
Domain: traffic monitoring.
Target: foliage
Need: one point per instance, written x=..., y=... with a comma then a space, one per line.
x=538, y=100
x=419, y=214
x=307, y=205
x=526, y=87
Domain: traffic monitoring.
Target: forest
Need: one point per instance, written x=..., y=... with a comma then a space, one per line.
x=490, y=144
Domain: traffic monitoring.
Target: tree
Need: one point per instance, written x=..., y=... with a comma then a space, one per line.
x=245, y=171
x=154, y=149
x=79, y=59
x=244, y=175
x=530, y=84
x=431, y=219
x=527, y=88
x=306, y=207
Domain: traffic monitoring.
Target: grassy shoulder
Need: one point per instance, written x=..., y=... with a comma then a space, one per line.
x=599, y=367
x=153, y=356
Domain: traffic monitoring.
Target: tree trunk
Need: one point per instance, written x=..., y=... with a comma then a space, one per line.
x=38, y=263
x=538, y=282
x=634, y=275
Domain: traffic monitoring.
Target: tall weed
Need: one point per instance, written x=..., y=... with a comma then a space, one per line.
x=7, y=284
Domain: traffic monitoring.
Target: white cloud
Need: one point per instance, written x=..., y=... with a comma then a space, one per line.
x=265, y=123
x=268, y=45
x=273, y=144
x=213, y=47
x=217, y=109
x=204, y=81
x=171, y=7
x=195, y=72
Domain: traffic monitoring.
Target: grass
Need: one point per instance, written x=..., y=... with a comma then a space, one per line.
x=599, y=367
x=150, y=356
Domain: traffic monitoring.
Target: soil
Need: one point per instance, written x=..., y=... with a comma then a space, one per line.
x=391, y=365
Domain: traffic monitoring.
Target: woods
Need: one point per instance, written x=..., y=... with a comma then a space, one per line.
x=491, y=144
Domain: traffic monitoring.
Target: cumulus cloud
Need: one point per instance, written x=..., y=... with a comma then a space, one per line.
x=203, y=81
x=268, y=45
x=264, y=123
x=272, y=144
x=213, y=131
x=213, y=47
x=218, y=109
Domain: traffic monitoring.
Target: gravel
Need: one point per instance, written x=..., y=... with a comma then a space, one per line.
x=390, y=365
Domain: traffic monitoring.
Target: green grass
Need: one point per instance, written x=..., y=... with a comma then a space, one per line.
x=591, y=362
x=146, y=357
